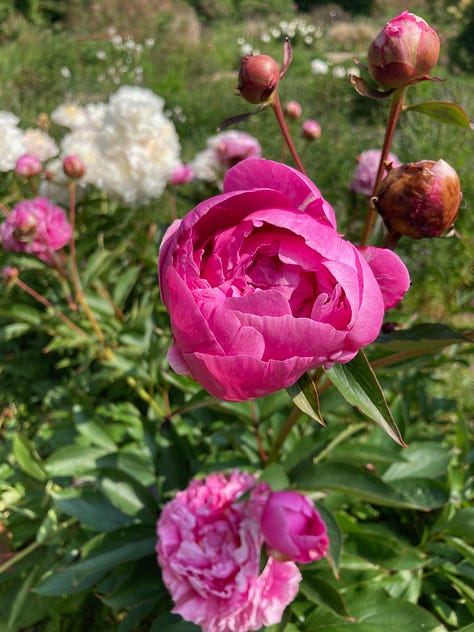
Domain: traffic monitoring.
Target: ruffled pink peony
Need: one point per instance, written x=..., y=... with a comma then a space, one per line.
x=293, y=528
x=209, y=546
x=37, y=227
x=261, y=287
x=363, y=179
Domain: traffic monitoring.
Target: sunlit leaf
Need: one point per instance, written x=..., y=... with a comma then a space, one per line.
x=444, y=112
x=305, y=395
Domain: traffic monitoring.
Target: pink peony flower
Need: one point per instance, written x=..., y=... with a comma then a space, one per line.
x=293, y=528
x=36, y=226
x=28, y=166
x=209, y=546
x=363, y=179
x=404, y=51
x=261, y=287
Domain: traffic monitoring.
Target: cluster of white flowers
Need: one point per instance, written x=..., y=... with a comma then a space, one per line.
x=122, y=58
x=129, y=146
x=14, y=142
x=292, y=29
x=322, y=67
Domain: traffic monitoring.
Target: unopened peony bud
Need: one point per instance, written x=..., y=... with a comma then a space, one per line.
x=420, y=199
x=10, y=274
x=404, y=51
x=293, y=109
x=293, y=528
x=74, y=167
x=258, y=77
x=311, y=129
x=28, y=166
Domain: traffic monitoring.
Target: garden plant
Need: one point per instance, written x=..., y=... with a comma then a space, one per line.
x=236, y=394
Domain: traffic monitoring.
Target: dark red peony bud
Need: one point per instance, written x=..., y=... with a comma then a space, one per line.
x=420, y=199
x=404, y=51
x=258, y=77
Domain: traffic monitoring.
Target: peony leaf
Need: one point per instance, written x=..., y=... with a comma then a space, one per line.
x=363, y=88
x=305, y=395
x=357, y=383
x=443, y=111
x=238, y=118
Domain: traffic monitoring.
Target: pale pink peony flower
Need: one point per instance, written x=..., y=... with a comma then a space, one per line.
x=404, y=51
x=363, y=179
x=37, y=227
x=293, y=529
x=261, y=287
x=209, y=547
x=28, y=166
x=293, y=109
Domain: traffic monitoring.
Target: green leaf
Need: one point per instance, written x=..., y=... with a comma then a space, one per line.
x=90, y=508
x=125, y=285
x=422, y=460
x=359, y=386
x=27, y=458
x=305, y=395
x=462, y=524
x=74, y=460
x=65, y=582
x=444, y=112
x=422, y=338
x=365, y=90
x=276, y=476
x=335, y=538
x=323, y=593
x=356, y=483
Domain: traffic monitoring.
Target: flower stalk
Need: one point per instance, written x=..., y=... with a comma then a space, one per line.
x=277, y=109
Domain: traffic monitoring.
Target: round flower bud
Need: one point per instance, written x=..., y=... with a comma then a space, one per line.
x=420, y=199
x=404, y=51
x=293, y=109
x=258, y=77
x=28, y=166
x=311, y=129
x=74, y=167
x=293, y=528
x=10, y=274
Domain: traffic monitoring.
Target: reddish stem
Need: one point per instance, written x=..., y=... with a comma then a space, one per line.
x=276, y=105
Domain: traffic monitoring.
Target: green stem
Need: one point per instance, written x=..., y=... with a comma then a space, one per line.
x=81, y=299
x=16, y=557
x=396, y=106
x=141, y=392
x=342, y=436
x=276, y=105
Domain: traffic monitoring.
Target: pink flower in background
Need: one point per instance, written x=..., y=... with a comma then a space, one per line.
x=209, y=547
x=261, y=287
x=311, y=129
x=28, y=166
x=293, y=528
x=182, y=174
x=363, y=179
x=37, y=227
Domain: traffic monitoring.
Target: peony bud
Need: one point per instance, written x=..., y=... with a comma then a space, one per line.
x=258, y=77
x=311, y=129
x=28, y=166
x=74, y=167
x=404, y=51
x=293, y=109
x=182, y=174
x=293, y=528
x=10, y=274
x=420, y=199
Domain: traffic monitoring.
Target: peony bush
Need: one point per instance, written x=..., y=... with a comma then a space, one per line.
x=265, y=434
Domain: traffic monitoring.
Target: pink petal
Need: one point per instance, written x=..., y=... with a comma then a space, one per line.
x=390, y=272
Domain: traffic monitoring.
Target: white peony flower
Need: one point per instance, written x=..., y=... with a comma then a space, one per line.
x=11, y=141
x=40, y=144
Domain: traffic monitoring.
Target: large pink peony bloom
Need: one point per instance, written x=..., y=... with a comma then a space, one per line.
x=260, y=286
x=209, y=546
x=36, y=226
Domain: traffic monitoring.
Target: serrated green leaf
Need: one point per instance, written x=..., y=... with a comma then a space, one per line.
x=359, y=386
x=444, y=112
x=305, y=395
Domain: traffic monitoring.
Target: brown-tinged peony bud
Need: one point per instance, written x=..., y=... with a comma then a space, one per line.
x=258, y=77
x=404, y=51
x=420, y=199
x=74, y=167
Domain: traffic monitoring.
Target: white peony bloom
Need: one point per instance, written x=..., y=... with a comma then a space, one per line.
x=56, y=186
x=40, y=144
x=8, y=119
x=11, y=141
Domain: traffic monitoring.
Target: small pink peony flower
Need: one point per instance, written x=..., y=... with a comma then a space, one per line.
x=209, y=547
x=293, y=109
x=182, y=174
x=404, y=51
x=261, y=287
x=363, y=179
x=293, y=528
x=37, y=227
x=311, y=129
x=28, y=166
